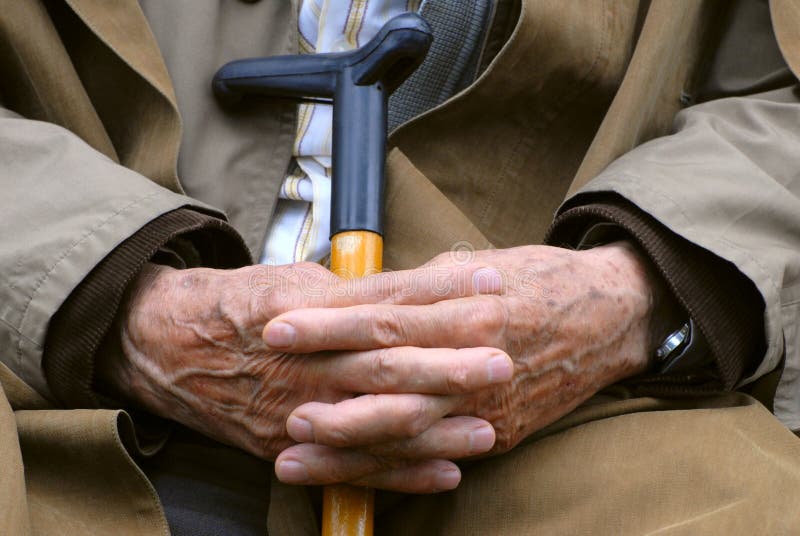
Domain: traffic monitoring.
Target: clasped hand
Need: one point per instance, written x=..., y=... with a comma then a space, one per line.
x=384, y=381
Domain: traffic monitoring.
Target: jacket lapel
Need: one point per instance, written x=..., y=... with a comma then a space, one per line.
x=507, y=147
x=122, y=26
x=146, y=133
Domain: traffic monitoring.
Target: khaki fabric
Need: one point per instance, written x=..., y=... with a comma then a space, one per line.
x=234, y=159
x=724, y=467
x=720, y=465
x=727, y=180
x=15, y=518
x=80, y=478
x=89, y=151
x=65, y=206
x=661, y=71
x=70, y=471
x=664, y=67
x=785, y=21
x=505, y=150
x=413, y=240
x=32, y=55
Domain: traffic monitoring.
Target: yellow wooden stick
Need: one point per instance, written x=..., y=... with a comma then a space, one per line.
x=349, y=510
x=356, y=254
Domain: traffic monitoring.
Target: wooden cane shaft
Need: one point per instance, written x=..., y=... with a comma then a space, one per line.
x=356, y=254
x=348, y=510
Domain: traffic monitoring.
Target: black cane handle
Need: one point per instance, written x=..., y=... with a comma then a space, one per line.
x=387, y=59
x=358, y=83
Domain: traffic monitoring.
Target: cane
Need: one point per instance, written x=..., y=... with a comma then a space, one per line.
x=358, y=83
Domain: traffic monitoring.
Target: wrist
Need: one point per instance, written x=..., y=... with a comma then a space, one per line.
x=666, y=314
x=140, y=302
x=662, y=314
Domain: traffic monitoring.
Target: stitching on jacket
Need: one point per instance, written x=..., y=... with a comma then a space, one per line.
x=18, y=332
x=114, y=424
x=64, y=255
x=636, y=183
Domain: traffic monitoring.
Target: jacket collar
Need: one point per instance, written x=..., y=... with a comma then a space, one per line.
x=152, y=146
x=123, y=27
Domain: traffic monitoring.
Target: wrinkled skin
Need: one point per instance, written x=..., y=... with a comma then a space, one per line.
x=193, y=352
x=385, y=381
x=573, y=322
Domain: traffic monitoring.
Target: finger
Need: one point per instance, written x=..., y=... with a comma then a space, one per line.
x=305, y=284
x=451, y=438
x=428, y=284
x=367, y=419
x=407, y=369
x=432, y=476
x=459, y=323
x=308, y=464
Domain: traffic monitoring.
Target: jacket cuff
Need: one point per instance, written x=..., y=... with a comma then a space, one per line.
x=725, y=305
x=78, y=328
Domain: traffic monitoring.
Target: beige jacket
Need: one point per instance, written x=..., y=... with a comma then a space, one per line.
x=89, y=144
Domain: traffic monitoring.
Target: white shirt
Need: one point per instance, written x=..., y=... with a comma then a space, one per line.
x=300, y=226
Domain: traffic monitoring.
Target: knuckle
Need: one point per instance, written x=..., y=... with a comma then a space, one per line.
x=458, y=379
x=386, y=329
x=504, y=443
x=337, y=472
x=508, y=434
x=267, y=442
x=337, y=435
x=384, y=368
x=229, y=309
x=270, y=449
x=331, y=469
x=306, y=266
x=365, y=469
x=439, y=259
x=443, y=257
x=492, y=319
x=378, y=463
x=416, y=419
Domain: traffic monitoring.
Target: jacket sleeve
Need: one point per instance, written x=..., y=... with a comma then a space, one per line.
x=65, y=208
x=712, y=291
x=727, y=182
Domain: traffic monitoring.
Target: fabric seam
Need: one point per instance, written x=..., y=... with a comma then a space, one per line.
x=91, y=232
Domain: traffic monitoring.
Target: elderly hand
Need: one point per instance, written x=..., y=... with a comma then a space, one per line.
x=192, y=352
x=573, y=322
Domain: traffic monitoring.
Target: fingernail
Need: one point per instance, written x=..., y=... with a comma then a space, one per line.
x=481, y=440
x=300, y=429
x=448, y=479
x=486, y=281
x=280, y=335
x=293, y=472
x=499, y=369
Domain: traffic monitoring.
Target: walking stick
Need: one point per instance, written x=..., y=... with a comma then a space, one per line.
x=358, y=83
